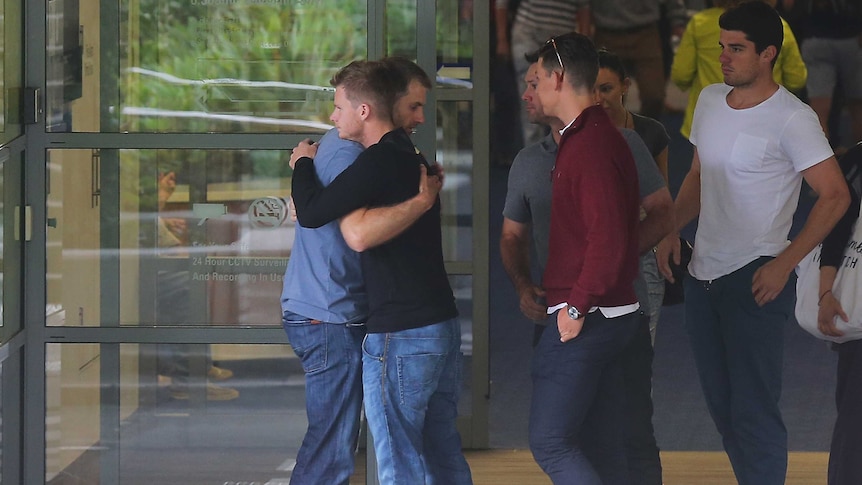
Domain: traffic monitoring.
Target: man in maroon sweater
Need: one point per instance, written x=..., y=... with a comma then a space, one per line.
x=576, y=418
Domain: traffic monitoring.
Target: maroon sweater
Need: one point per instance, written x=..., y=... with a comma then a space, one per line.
x=595, y=208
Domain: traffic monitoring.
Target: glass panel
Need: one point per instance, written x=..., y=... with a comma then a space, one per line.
x=11, y=68
x=401, y=28
x=203, y=236
x=4, y=246
x=3, y=66
x=200, y=66
x=455, y=153
x=72, y=410
x=455, y=43
x=1, y=423
x=462, y=287
x=243, y=424
x=454, y=38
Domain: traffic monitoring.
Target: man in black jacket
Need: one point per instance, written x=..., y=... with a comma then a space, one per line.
x=411, y=357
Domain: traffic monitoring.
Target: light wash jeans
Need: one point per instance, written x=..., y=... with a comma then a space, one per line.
x=331, y=357
x=412, y=381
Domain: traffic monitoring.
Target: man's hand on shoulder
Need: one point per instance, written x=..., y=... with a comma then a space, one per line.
x=305, y=148
x=429, y=185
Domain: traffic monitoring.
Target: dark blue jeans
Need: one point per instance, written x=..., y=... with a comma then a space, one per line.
x=739, y=349
x=578, y=404
x=642, y=451
x=331, y=356
x=412, y=381
x=846, y=446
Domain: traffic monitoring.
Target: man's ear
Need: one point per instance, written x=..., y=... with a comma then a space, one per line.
x=769, y=53
x=364, y=111
x=559, y=79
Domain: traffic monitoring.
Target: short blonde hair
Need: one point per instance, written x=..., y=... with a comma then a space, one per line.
x=369, y=82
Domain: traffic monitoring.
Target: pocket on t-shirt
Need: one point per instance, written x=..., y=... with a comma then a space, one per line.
x=748, y=152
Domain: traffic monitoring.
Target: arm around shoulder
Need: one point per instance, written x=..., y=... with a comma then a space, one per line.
x=317, y=205
x=366, y=228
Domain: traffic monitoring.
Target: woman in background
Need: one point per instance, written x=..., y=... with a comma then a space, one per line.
x=611, y=87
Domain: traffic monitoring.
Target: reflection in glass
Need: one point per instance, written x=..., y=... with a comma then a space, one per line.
x=168, y=438
x=71, y=411
x=3, y=291
x=455, y=153
x=203, y=236
x=200, y=66
x=1, y=424
x=3, y=65
x=454, y=38
x=401, y=28
x=454, y=43
x=11, y=68
x=201, y=437
x=462, y=287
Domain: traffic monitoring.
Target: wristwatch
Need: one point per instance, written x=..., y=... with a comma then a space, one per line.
x=573, y=312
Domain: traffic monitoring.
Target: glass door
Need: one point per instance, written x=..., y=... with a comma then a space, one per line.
x=449, y=38
x=159, y=176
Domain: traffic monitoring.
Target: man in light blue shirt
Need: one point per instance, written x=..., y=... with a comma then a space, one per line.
x=324, y=307
x=324, y=302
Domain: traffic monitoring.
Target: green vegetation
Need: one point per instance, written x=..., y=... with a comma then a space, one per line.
x=235, y=57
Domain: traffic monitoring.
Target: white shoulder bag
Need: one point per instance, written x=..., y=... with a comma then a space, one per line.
x=847, y=289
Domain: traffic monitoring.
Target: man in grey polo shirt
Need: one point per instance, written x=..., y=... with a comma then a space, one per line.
x=527, y=213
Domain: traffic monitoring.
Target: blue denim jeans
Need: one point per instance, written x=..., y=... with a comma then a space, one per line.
x=577, y=412
x=331, y=358
x=738, y=349
x=412, y=382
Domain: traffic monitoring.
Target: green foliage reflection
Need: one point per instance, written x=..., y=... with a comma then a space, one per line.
x=261, y=62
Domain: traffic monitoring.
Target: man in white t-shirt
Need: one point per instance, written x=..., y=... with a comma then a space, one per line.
x=754, y=143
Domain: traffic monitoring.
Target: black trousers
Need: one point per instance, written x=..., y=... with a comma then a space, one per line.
x=846, y=450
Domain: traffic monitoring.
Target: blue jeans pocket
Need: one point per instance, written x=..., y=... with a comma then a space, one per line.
x=373, y=345
x=418, y=378
x=308, y=341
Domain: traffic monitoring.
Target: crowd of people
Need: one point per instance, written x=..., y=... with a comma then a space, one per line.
x=373, y=323
x=757, y=131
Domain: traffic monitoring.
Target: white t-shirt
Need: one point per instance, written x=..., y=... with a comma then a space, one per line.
x=750, y=161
